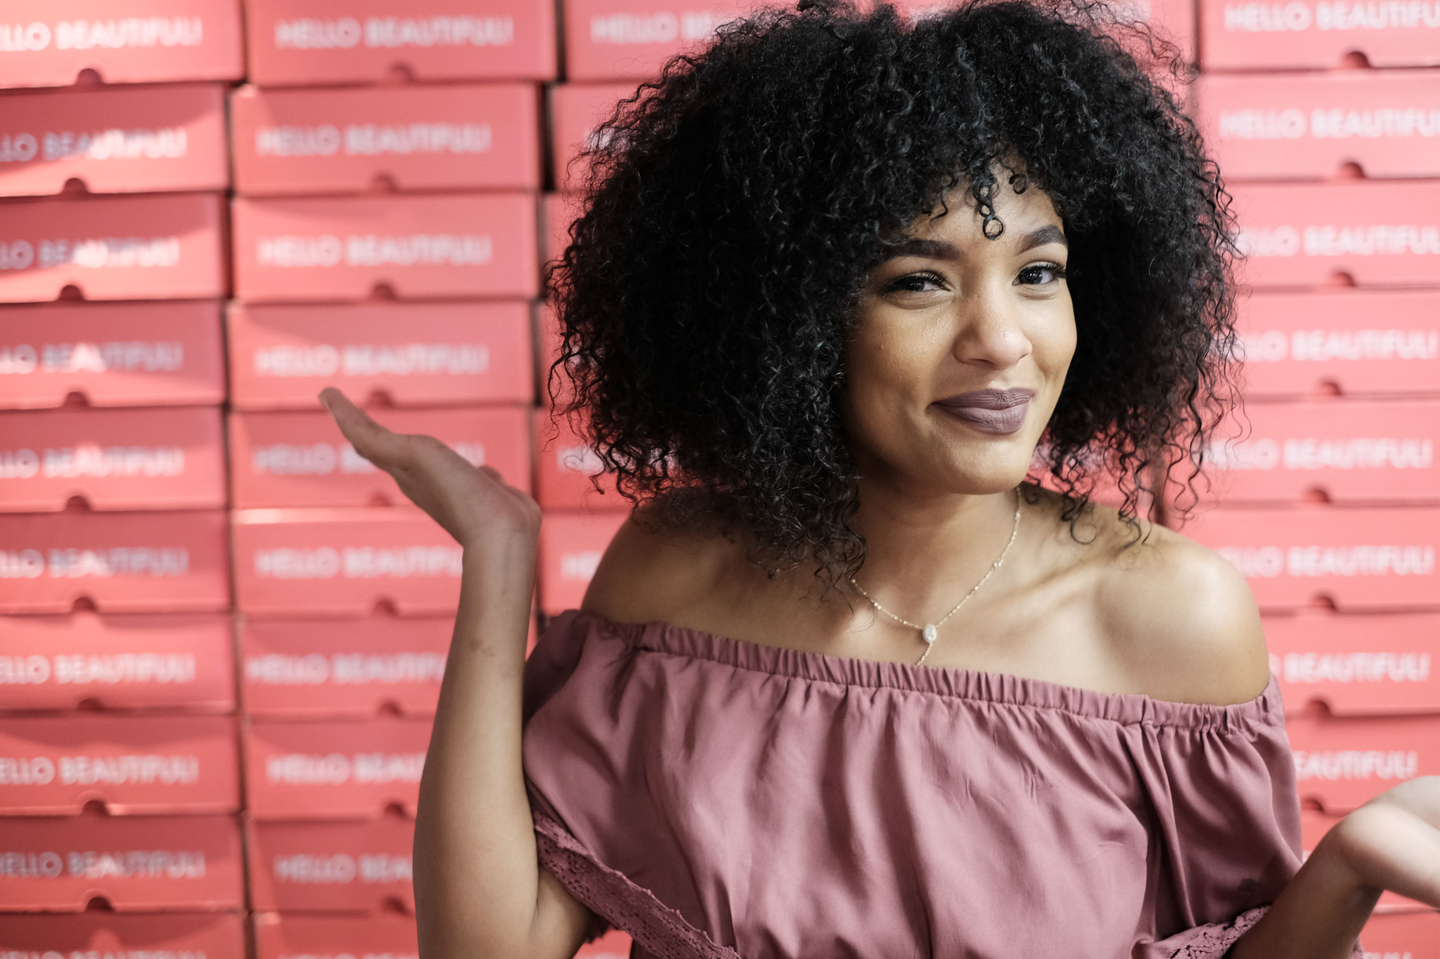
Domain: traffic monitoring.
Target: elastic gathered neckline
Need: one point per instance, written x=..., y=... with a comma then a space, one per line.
x=962, y=684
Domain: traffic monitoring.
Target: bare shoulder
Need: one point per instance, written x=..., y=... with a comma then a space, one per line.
x=1177, y=618
x=648, y=574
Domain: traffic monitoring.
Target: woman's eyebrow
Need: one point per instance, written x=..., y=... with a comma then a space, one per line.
x=1046, y=234
x=930, y=249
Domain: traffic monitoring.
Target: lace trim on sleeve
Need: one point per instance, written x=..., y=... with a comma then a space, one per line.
x=660, y=930
x=1214, y=941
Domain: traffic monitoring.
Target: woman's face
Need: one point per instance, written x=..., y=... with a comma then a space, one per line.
x=961, y=348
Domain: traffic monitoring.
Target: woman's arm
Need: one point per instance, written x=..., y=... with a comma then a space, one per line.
x=479, y=889
x=1392, y=842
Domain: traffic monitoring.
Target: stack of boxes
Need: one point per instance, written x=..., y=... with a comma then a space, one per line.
x=1326, y=124
x=119, y=782
x=387, y=174
x=386, y=235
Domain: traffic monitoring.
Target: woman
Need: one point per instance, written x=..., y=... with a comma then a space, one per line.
x=847, y=684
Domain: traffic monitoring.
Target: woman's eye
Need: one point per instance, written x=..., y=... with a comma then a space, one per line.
x=915, y=283
x=1041, y=274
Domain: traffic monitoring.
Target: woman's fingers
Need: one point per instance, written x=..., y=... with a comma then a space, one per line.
x=370, y=439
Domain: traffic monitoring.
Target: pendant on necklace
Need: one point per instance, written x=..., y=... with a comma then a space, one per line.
x=928, y=633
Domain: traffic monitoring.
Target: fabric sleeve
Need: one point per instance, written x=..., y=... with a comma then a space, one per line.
x=1225, y=830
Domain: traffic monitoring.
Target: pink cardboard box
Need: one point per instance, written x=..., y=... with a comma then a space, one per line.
x=1316, y=34
x=1357, y=664
x=1370, y=232
x=1310, y=126
x=133, y=765
x=1358, y=342
x=343, y=668
x=411, y=354
x=283, y=936
x=48, y=43
x=162, y=661
x=1403, y=935
x=344, y=562
x=567, y=470
x=115, y=140
x=354, y=867
x=300, y=42
x=577, y=109
x=560, y=210
x=300, y=458
x=130, y=863
x=1362, y=559
x=115, y=459
x=159, y=246
x=417, y=246
x=111, y=354
x=481, y=136
x=344, y=770
x=214, y=936
x=571, y=545
x=120, y=562
x=1343, y=451
x=1344, y=763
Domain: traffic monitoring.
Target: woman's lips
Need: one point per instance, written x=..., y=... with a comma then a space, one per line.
x=990, y=411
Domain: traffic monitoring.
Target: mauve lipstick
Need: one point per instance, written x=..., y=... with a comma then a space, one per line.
x=990, y=411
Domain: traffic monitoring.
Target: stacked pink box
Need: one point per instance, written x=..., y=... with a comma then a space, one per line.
x=1325, y=120
x=387, y=174
x=120, y=782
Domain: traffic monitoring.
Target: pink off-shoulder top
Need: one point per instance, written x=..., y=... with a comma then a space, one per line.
x=717, y=798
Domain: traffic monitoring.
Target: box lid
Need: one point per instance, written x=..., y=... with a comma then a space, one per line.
x=1357, y=664
x=1346, y=451
x=1310, y=126
x=157, y=246
x=112, y=354
x=480, y=136
x=334, y=770
x=134, y=661
x=298, y=42
x=411, y=354
x=343, y=668
x=1371, y=232
x=571, y=545
x=1343, y=763
x=343, y=562
x=1315, y=34
x=133, y=863
x=114, y=140
x=113, y=459
x=1356, y=558
x=576, y=110
x=48, y=43
x=120, y=562
x=1359, y=342
x=416, y=246
x=133, y=765
x=353, y=867
x=300, y=458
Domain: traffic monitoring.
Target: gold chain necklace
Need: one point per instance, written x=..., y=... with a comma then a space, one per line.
x=929, y=632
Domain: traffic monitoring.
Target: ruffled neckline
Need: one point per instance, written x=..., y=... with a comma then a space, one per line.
x=978, y=686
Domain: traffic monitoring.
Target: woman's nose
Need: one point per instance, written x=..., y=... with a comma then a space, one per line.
x=990, y=331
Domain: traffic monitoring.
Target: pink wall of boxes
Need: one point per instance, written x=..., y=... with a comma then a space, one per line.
x=223, y=633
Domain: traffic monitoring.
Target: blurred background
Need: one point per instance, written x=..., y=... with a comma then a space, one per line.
x=222, y=633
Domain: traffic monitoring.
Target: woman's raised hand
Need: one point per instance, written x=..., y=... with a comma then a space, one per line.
x=476, y=506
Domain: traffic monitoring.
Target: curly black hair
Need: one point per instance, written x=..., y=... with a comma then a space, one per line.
x=738, y=202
